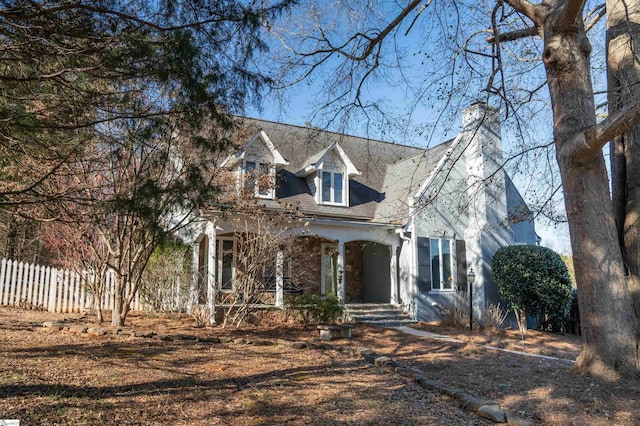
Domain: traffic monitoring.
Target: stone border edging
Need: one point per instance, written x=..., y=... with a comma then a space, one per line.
x=484, y=408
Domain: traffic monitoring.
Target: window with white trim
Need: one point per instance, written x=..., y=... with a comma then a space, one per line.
x=332, y=188
x=226, y=268
x=435, y=264
x=258, y=179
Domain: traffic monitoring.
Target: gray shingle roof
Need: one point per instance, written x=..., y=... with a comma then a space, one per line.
x=390, y=173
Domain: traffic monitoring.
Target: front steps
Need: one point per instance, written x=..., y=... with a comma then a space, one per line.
x=378, y=314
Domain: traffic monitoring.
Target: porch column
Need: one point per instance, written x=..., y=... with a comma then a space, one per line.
x=195, y=265
x=393, y=269
x=210, y=230
x=280, y=279
x=341, y=276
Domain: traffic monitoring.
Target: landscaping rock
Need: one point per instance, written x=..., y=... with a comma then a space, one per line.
x=470, y=402
x=492, y=412
x=452, y=391
x=78, y=329
x=163, y=337
x=427, y=383
x=146, y=334
x=97, y=331
x=299, y=345
x=384, y=361
x=239, y=341
x=367, y=354
x=56, y=326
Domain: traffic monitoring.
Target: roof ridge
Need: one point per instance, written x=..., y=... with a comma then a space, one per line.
x=336, y=133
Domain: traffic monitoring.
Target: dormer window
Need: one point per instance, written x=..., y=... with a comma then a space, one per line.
x=255, y=166
x=333, y=188
x=327, y=173
x=259, y=179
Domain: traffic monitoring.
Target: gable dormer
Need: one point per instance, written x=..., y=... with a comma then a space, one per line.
x=256, y=164
x=327, y=174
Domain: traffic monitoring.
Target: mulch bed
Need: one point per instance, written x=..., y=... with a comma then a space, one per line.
x=50, y=376
x=253, y=376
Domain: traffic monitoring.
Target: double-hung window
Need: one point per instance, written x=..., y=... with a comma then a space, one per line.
x=258, y=179
x=333, y=187
x=435, y=264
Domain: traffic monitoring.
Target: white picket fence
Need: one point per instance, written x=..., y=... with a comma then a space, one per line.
x=53, y=289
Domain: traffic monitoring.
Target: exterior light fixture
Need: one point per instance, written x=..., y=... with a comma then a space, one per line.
x=471, y=277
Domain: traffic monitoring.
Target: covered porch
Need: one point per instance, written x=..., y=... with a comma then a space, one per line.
x=354, y=261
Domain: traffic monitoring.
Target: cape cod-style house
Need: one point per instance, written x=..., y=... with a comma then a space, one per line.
x=389, y=223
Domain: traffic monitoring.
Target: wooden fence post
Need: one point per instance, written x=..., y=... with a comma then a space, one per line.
x=53, y=289
x=3, y=290
x=43, y=286
x=14, y=273
x=21, y=290
x=29, y=282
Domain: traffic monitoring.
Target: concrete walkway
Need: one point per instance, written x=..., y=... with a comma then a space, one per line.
x=421, y=333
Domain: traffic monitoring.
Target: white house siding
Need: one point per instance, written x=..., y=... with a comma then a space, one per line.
x=470, y=205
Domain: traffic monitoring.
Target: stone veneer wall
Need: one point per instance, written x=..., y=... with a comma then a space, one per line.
x=306, y=264
x=353, y=272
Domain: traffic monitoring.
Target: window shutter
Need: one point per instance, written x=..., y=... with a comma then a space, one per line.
x=461, y=260
x=424, y=265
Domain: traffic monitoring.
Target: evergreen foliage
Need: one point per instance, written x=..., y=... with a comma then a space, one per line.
x=534, y=280
x=115, y=114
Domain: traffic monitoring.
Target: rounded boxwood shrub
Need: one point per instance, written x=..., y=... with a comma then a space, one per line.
x=534, y=281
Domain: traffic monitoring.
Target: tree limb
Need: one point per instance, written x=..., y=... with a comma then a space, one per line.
x=594, y=17
x=514, y=35
x=572, y=10
x=527, y=8
x=594, y=138
x=373, y=42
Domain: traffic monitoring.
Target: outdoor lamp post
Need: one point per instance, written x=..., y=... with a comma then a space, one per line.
x=471, y=277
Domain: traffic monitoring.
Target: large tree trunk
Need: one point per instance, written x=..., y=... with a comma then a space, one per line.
x=608, y=334
x=623, y=70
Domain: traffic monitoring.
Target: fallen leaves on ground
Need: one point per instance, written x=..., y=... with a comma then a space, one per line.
x=55, y=377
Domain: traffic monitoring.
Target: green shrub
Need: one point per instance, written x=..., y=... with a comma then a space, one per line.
x=316, y=308
x=534, y=281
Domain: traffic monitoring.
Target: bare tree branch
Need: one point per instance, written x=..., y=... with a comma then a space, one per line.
x=514, y=35
x=594, y=138
x=375, y=41
x=594, y=17
x=572, y=11
x=527, y=8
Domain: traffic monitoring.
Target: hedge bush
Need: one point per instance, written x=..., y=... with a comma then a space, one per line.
x=316, y=308
x=534, y=281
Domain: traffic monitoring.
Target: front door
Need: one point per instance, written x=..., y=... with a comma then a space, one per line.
x=329, y=279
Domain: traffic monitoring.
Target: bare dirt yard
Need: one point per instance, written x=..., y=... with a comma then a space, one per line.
x=183, y=375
